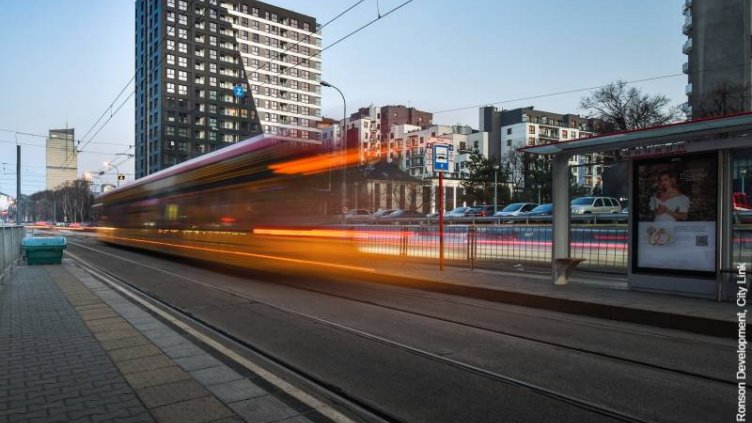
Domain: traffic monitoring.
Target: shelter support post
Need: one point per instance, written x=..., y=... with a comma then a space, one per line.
x=561, y=262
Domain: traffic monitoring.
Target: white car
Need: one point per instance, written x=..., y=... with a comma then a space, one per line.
x=593, y=205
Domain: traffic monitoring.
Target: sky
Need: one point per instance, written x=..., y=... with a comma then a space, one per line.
x=65, y=61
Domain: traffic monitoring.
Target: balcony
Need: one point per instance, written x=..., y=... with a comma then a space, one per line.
x=687, y=47
x=685, y=68
x=687, y=27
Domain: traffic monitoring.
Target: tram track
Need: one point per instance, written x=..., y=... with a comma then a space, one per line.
x=333, y=390
x=597, y=354
x=374, y=410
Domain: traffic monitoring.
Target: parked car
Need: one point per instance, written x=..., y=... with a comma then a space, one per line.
x=593, y=205
x=358, y=216
x=541, y=210
x=382, y=212
x=483, y=211
x=458, y=212
x=403, y=214
x=516, y=209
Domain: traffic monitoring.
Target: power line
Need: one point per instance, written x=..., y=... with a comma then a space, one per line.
x=47, y=136
x=577, y=90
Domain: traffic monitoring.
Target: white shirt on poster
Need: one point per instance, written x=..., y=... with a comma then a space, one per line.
x=678, y=204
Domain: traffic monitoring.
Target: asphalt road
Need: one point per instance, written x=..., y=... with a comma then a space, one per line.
x=426, y=357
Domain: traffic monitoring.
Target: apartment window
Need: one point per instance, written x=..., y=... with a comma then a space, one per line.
x=564, y=134
x=213, y=108
x=182, y=5
x=170, y=16
x=213, y=54
x=574, y=134
x=183, y=19
x=213, y=81
x=509, y=143
x=170, y=3
x=170, y=73
x=183, y=62
x=509, y=131
x=213, y=67
x=183, y=48
x=170, y=30
x=531, y=130
x=255, y=11
x=170, y=87
x=170, y=45
x=182, y=90
x=212, y=27
x=183, y=76
x=212, y=40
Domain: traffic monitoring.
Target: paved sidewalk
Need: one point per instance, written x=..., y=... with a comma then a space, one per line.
x=72, y=349
x=592, y=295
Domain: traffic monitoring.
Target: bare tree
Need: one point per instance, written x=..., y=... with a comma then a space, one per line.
x=724, y=99
x=625, y=108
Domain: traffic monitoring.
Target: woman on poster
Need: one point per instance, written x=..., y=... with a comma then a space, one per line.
x=669, y=204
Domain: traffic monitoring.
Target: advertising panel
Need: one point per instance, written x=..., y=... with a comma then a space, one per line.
x=676, y=209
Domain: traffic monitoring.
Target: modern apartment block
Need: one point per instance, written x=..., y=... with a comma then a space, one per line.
x=512, y=129
x=62, y=158
x=719, y=57
x=211, y=73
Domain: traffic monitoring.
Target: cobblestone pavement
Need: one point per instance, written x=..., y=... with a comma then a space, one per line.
x=72, y=349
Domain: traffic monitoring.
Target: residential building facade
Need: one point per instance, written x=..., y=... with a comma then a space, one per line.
x=61, y=158
x=524, y=127
x=211, y=73
x=719, y=57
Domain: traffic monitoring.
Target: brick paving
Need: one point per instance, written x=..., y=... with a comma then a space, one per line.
x=72, y=349
x=51, y=366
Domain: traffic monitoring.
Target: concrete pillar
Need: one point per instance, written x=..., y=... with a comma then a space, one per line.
x=560, y=219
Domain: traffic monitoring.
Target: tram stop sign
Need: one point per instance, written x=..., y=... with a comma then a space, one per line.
x=441, y=156
x=238, y=91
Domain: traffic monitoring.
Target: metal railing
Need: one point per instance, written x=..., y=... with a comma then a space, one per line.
x=10, y=246
x=604, y=247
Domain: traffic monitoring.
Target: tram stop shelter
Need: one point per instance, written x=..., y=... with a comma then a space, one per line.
x=689, y=225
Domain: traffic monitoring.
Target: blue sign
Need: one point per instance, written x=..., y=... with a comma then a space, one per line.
x=239, y=91
x=441, y=154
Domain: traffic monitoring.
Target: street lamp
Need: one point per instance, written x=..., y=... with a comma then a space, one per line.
x=106, y=164
x=496, y=186
x=744, y=176
x=344, y=143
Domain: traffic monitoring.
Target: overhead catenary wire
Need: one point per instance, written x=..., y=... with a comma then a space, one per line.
x=577, y=90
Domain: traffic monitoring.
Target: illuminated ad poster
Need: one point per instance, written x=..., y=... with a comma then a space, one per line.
x=676, y=212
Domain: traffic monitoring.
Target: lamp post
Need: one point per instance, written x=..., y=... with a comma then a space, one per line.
x=744, y=176
x=108, y=164
x=344, y=144
x=496, y=186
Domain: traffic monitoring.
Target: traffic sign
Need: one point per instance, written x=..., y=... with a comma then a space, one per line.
x=441, y=157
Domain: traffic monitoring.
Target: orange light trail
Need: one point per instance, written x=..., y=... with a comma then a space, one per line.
x=316, y=164
x=264, y=256
x=319, y=233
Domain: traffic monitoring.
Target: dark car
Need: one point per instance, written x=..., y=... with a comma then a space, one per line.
x=541, y=210
x=483, y=211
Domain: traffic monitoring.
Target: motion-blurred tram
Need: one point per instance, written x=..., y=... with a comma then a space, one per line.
x=262, y=203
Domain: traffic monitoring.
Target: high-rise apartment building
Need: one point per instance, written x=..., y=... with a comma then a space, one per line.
x=61, y=158
x=719, y=57
x=211, y=73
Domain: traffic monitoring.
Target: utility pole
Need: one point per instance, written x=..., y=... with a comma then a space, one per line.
x=19, y=207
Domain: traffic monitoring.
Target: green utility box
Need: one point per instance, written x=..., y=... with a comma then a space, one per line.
x=44, y=250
